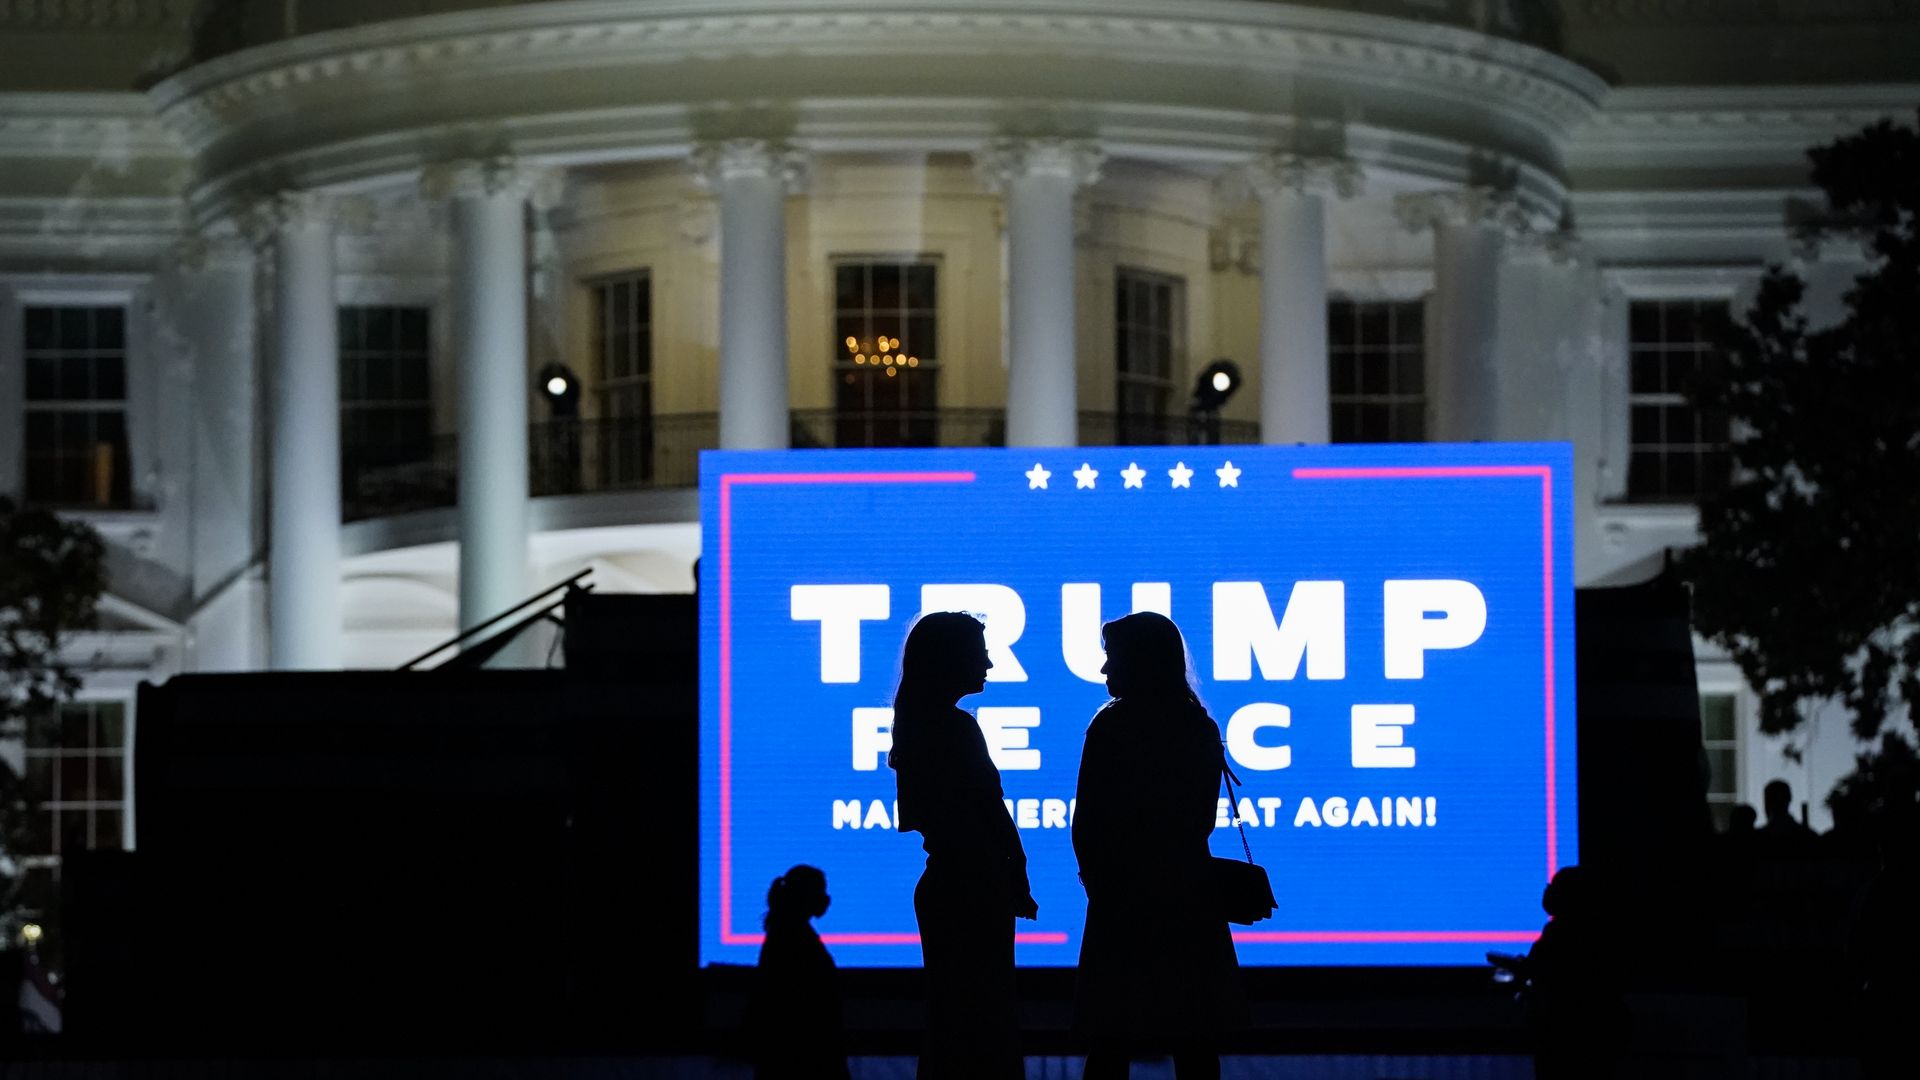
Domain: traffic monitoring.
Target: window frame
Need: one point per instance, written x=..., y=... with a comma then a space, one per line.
x=604, y=388
x=928, y=367
x=1130, y=426
x=54, y=859
x=1392, y=399
x=1631, y=348
x=130, y=292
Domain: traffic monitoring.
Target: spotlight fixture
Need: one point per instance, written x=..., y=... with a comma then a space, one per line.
x=1216, y=384
x=562, y=389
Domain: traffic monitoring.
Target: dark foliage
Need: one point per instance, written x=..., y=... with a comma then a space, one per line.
x=1809, y=573
x=51, y=575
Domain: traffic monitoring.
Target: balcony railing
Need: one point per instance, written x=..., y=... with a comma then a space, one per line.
x=575, y=457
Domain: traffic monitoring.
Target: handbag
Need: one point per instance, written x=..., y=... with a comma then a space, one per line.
x=1241, y=889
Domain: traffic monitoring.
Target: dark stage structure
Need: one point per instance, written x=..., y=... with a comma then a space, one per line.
x=506, y=861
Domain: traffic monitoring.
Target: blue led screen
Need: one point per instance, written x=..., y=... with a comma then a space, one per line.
x=1383, y=633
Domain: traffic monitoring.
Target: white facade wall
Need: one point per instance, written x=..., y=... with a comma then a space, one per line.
x=1605, y=195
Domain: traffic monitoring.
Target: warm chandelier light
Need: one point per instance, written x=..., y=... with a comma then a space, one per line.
x=881, y=352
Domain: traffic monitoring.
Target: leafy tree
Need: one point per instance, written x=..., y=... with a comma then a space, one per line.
x=51, y=575
x=1809, y=573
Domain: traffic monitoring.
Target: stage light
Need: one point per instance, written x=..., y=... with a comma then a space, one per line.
x=30, y=934
x=1216, y=384
x=562, y=389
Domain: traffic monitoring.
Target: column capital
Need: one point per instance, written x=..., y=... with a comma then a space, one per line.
x=1005, y=160
x=714, y=162
x=1476, y=205
x=1561, y=247
x=1285, y=172
x=489, y=177
x=263, y=218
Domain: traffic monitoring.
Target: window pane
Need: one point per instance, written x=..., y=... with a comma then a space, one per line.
x=75, y=779
x=39, y=326
x=1343, y=374
x=110, y=725
x=887, y=290
x=1643, y=321
x=413, y=329
x=922, y=292
x=849, y=287
x=107, y=825
x=1720, y=770
x=76, y=721
x=1716, y=718
x=920, y=339
x=1647, y=368
x=75, y=379
x=1646, y=423
x=109, y=777
x=39, y=779
x=110, y=377
x=43, y=378
x=1409, y=375
x=76, y=329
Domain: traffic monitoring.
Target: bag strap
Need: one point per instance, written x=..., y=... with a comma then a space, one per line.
x=1227, y=780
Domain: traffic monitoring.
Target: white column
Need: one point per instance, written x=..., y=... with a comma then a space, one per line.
x=1040, y=178
x=303, y=433
x=488, y=200
x=1293, y=290
x=751, y=179
x=1469, y=226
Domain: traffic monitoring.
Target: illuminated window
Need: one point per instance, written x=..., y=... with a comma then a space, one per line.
x=886, y=350
x=75, y=428
x=386, y=402
x=1148, y=318
x=622, y=438
x=75, y=790
x=1720, y=735
x=1376, y=371
x=1678, y=450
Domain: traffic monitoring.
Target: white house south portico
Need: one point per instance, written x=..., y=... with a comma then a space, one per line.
x=820, y=223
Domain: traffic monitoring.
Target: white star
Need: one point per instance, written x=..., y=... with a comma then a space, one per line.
x=1132, y=475
x=1229, y=476
x=1083, y=476
x=1182, y=476
x=1037, y=476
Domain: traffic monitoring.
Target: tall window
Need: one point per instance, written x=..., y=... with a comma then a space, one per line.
x=1376, y=371
x=386, y=402
x=622, y=443
x=1148, y=313
x=886, y=349
x=1720, y=735
x=76, y=789
x=1678, y=450
x=76, y=406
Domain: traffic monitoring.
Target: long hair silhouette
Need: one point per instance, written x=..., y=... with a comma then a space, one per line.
x=933, y=663
x=1146, y=656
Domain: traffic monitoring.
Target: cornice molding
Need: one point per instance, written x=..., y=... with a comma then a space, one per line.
x=93, y=14
x=42, y=125
x=1733, y=125
x=1444, y=81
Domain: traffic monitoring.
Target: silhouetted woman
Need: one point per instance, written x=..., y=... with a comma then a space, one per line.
x=796, y=1024
x=1157, y=968
x=975, y=883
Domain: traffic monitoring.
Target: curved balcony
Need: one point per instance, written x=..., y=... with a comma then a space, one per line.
x=586, y=457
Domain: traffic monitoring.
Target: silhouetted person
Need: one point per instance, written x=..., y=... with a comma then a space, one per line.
x=975, y=883
x=1157, y=967
x=795, y=1021
x=1783, y=837
x=1575, y=1005
x=1742, y=820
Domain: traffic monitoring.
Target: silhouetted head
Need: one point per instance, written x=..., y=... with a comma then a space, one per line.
x=1779, y=799
x=945, y=659
x=1742, y=819
x=1146, y=657
x=800, y=893
x=1570, y=893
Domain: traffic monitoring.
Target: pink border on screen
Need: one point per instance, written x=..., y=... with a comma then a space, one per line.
x=728, y=480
